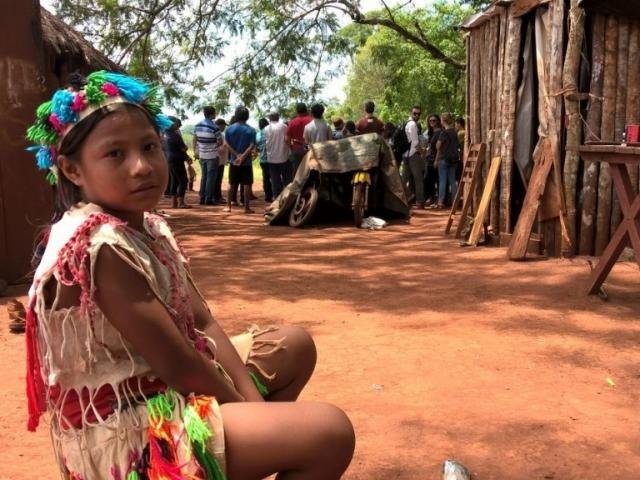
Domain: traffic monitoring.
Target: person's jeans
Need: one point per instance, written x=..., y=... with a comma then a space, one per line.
x=295, y=157
x=217, y=193
x=179, y=178
x=416, y=167
x=430, y=182
x=281, y=176
x=266, y=182
x=447, y=178
x=209, y=169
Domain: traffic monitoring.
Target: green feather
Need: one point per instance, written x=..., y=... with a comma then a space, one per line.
x=209, y=463
x=264, y=391
x=44, y=110
x=52, y=178
x=161, y=406
x=197, y=429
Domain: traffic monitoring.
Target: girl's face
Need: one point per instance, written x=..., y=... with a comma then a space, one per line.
x=121, y=165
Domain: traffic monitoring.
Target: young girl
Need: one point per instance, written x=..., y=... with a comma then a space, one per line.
x=139, y=379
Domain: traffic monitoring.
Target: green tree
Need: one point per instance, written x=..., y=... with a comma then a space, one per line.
x=396, y=74
x=170, y=41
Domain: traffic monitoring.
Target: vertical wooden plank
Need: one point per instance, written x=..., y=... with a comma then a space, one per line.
x=621, y=104
x=512, y=51
x=554, y=103
x=592, y=133
x=487, y=193
x=494, y=214
x=572, y=106
x=603, y=217
x=633, y=89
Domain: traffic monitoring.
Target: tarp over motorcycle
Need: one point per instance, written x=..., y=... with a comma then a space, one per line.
x=329, y=167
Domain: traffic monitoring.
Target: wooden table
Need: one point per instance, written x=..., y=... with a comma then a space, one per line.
x=628, y=232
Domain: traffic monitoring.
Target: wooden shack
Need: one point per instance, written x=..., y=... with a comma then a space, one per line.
x=36, y=56
x=541, y=75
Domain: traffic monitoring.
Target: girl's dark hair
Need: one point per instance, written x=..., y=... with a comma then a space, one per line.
x=263, y=122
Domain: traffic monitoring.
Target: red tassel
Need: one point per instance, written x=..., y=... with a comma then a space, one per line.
x=160, y=467
x=35, y=384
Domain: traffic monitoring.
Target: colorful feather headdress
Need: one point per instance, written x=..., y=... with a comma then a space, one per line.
x=55, y=118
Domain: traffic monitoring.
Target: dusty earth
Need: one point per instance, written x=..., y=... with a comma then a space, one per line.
x=435, y=351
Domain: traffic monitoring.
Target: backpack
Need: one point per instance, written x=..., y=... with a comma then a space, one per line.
x=400, y=141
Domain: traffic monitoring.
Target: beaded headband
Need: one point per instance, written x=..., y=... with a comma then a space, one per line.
x=57, y=117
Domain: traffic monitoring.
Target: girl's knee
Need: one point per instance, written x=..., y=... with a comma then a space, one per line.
x=337, y=433
x=300, y=344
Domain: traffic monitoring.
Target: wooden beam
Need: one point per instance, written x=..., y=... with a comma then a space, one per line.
x=484, y=201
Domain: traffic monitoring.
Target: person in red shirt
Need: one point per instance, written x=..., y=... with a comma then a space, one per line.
x=369, y=123
x=294, y=135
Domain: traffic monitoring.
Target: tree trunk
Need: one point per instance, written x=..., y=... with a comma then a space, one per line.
x=594, y=119
x=633, y=89
x=494, y=213
x=554, y=117
x=510, y=87
x=603, y=221
x=572, y=106
x=500, y=121
x=621, y=104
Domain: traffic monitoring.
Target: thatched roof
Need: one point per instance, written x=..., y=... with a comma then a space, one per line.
x=63, y=41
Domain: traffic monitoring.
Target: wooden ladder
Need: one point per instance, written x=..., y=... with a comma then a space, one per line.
x=470, y=175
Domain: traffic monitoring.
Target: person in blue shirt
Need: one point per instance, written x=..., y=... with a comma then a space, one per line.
x=261, y=143
x=241, y=140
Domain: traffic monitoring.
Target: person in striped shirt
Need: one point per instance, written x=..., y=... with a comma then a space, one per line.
x=207, y=138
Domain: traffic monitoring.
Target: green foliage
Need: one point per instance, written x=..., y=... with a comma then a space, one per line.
x=396, y=74
x=263, y=51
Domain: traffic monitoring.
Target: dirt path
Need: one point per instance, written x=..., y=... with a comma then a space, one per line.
x=433, y=350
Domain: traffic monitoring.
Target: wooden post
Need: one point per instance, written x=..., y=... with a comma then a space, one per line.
x=494, y=214
x=510, y=80
x=633, y=90
x=594, y=119
x=621, y=103
x=498, y=137
x=603, y=218
x=572, y=106
x=554, y=110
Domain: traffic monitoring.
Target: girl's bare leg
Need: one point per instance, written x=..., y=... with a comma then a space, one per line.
x=299, y=441
x=293, y=364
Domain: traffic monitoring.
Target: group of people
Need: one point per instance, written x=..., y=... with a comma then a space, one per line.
x=431, y=162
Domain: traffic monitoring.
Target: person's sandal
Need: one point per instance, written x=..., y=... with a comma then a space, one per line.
x=17, y=315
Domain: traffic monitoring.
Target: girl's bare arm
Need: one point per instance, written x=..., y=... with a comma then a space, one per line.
x=127, y=301
x=225, y=353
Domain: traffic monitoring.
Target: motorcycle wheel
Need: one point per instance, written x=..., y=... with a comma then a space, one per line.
x=358, y=203
x=304, y=207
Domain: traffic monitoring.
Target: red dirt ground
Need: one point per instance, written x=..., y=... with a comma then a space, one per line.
x=433, y=350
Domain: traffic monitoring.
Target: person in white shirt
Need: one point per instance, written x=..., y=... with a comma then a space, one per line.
x=277, y=154
x=415, y=161
x=317, y=130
